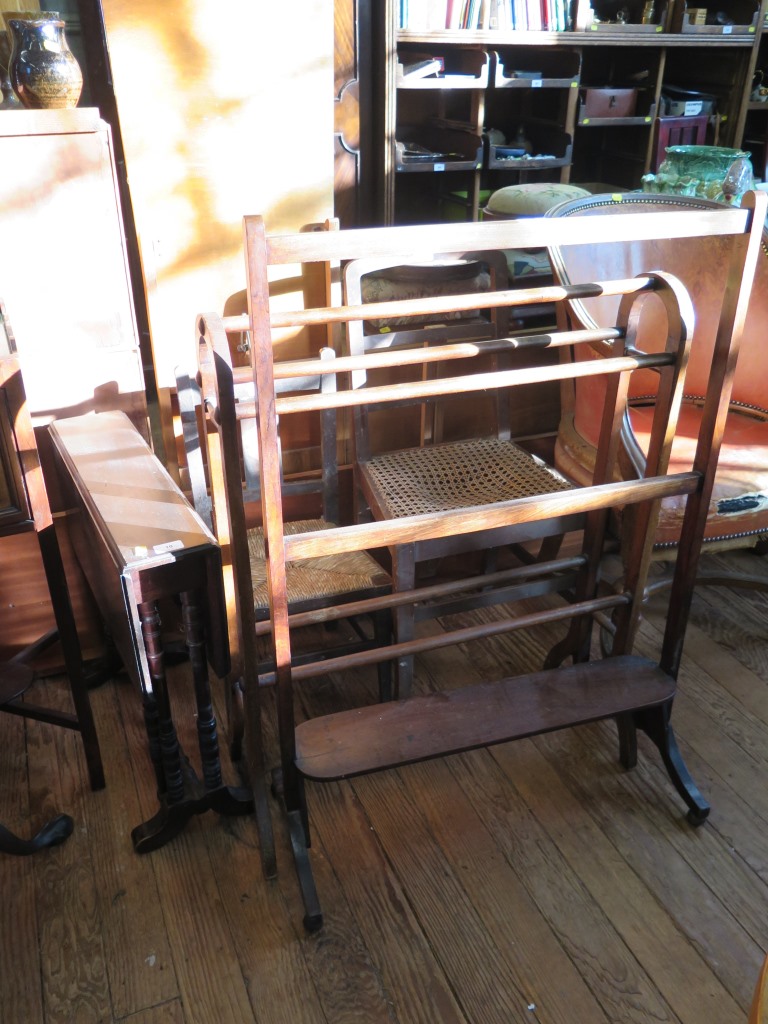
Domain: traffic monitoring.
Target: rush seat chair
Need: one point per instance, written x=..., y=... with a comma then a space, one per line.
x=220, y=438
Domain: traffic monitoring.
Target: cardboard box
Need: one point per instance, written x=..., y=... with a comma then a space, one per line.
x=696, y=15
x=686, y=102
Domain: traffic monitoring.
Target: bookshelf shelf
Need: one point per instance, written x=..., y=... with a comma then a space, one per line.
x=457, y=68
x=644, y=116
x=450, y=149
x=615, y=35
x=557, y=69
x=615, y=122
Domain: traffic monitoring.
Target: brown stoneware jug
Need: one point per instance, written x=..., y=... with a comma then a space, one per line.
x=43, y=71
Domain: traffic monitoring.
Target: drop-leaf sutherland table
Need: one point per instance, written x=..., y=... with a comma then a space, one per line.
x=139, y=542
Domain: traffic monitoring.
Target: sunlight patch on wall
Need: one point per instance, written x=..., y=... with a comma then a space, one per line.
x=223, y=112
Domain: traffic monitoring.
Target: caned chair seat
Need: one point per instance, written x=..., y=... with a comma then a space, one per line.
x=478, y=471
x=309, y=580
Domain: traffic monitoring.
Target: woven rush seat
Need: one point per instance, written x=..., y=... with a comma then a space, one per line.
x=440, y=477
x=308, y=579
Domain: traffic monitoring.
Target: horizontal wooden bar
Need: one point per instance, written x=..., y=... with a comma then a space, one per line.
x=42, y=714
x=444, y=304
x=429, y=593
x=408, y=355
x=524, y=233
x=381, y=736
x=432, y=525
x=414, y=390
x=449, y=638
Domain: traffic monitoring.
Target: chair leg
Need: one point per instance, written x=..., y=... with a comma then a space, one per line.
x=294, y=802
x=253, y=761
x=52, y=833
x=627, y=740
x=235, y=718
x=404, y=578
x=73, y=658
x=382, y=631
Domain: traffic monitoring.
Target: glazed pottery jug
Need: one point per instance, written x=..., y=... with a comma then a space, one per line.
x=43, y=71
x=711, y=172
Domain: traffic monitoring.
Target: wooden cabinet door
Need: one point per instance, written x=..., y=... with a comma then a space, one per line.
x=353, y=189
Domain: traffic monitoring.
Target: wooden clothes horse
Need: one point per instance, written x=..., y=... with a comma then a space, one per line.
x=638, y=692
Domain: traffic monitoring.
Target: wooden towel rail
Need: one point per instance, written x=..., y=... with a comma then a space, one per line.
x=637, y=692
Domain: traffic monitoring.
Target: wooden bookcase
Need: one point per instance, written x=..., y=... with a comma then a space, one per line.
x=754, y=138
x=542, y=81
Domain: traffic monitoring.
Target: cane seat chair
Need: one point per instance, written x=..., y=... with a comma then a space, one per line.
x=738, y=510
x=219, y=413
x=463, y=453
x=374, y=279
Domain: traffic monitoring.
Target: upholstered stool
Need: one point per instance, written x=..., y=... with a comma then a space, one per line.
x=530, y=200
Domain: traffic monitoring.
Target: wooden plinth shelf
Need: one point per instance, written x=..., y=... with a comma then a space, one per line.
x=381, y=736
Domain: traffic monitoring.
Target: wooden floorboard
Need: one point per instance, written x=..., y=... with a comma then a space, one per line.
x=136, y=944
x=534, y=881
x=166, y=1013
x=21, y=996
x=586, y=933
x=644, y=925
x=73, y=960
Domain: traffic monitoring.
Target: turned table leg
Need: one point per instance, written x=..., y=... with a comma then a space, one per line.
x=206, y=721
x=167, y=741
x=182, y=795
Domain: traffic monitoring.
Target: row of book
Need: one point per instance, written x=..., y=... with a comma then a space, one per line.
x=507, y=15
x=531, y=16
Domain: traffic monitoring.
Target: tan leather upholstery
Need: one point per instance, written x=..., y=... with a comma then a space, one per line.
x=743, y=470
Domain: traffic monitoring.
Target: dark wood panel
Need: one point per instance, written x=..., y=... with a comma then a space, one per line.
x=353, y=188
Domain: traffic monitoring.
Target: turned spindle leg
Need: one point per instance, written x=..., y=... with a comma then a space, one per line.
x=206, y=720
x=170, y=755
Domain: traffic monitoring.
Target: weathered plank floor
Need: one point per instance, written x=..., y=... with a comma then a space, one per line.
x=533, y=882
